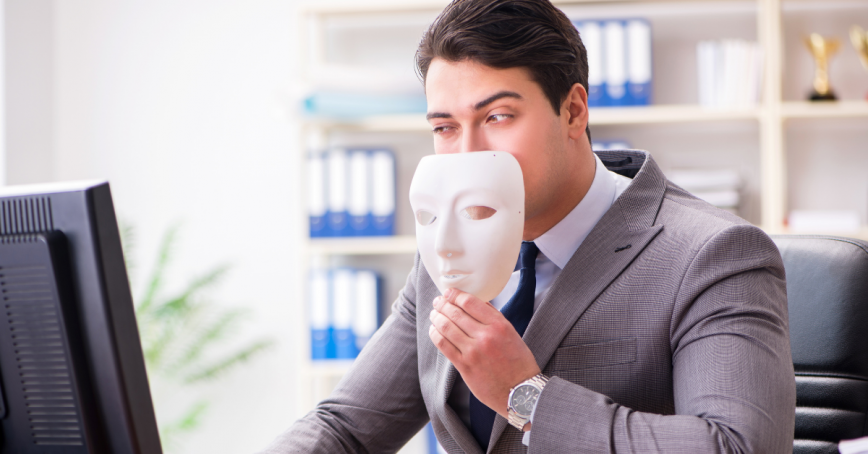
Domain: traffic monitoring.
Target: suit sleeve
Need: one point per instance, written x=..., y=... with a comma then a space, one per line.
x=377, y=406
x=732, y=368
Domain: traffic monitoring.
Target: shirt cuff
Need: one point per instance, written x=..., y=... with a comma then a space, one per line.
x=525, y=439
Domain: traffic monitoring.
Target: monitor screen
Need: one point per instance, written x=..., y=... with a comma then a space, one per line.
x=72, y=374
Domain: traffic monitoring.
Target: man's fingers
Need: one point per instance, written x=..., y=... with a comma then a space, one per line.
x=448, y=328
x=463, y=320
x=447, y=348
x=480, y=310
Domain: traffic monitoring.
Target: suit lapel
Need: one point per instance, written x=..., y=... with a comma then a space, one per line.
x=446, y=375
x=617, y=239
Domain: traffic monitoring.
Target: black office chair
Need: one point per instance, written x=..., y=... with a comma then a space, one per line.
x=827, y=289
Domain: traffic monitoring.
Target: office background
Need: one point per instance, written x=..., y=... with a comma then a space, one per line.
x=191, y=109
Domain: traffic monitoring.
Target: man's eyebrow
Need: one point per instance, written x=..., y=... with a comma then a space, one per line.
x=479, y=105
x=438, y=115
x=495, y=97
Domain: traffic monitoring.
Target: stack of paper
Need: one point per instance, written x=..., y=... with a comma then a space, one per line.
x=730, y=73
x=348, y=91
x=619, y=61
x=717, y=187
x=351, y=192
x=343, y=311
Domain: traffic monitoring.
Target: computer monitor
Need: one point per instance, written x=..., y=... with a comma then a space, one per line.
x=72, y=373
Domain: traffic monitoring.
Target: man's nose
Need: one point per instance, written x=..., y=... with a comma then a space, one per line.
x=448, y=242
x=473, y=140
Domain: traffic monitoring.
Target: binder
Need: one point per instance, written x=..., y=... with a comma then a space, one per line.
x=616, y=63
x=338, y=168
x=319, y=316
x=592, y=37
x=343, y=291
x=639, y=68
x=316, y=192
x=359, y=208
x=367, y=316
x=433, y=445
x=382, y=192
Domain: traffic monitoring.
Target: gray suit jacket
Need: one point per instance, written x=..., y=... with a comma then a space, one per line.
x=666, y=332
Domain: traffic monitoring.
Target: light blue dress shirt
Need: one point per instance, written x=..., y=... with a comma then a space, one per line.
x=556, y=246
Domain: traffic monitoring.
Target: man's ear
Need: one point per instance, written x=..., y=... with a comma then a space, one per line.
x=575, y=109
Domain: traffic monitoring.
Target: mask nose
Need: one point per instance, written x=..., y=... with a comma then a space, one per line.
x=448, y=243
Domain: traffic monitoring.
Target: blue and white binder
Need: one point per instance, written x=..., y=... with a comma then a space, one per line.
x=343, y=300
x=382, y=192
x=639, y=69
x=359, y=208
x=433, y=445
x=316, y=191
x=319, y=316
x=614, y=38
x=367, y=317
x=592, y=37
x=338, y=170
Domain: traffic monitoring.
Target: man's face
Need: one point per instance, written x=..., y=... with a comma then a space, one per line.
x=473, y=107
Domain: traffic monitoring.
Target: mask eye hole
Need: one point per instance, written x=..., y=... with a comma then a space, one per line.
x=477, y=213
x=425, y=218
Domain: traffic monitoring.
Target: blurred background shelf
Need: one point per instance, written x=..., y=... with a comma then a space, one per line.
x=599, y=116
x=837, y=109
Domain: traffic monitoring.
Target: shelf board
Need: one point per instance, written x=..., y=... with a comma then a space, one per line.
x=686, y=113
x=834, y=109
x=599, y=116
x=404, y=244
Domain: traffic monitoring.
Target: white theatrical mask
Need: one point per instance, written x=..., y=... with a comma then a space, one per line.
x=469, y=210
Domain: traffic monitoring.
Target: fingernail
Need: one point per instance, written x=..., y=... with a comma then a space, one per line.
x=450, y=294
x=432, y=314
x=438, y=301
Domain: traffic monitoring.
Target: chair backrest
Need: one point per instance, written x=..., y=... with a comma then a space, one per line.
x=827, y=290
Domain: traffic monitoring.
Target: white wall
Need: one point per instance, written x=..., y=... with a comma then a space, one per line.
x=28, y=60
x=178, y=104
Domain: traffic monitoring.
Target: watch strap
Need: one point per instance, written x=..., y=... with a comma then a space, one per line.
x=538, y=381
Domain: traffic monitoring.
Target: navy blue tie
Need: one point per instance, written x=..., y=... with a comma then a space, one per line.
x=518, y=311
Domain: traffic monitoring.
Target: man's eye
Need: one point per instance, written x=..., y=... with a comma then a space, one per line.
x=477, y=213
x=441, y=129
x=497, y=118
x=425, y=218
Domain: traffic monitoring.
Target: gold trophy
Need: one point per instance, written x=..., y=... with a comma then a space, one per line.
x=860, y=42
x=822, y=49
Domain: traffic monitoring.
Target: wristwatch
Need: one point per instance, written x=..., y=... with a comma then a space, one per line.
x=522, y=400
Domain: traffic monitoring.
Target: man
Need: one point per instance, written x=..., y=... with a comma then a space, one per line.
x=659, y=323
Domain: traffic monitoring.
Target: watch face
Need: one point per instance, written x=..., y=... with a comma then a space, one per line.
x=524, y=399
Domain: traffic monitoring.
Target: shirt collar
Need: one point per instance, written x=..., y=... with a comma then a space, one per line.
x=560, y=242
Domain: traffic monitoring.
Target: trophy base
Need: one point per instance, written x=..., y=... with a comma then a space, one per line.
x=823, y=97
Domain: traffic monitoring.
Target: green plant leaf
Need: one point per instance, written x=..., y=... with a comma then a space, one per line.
x=222, y=366
x=199, y=340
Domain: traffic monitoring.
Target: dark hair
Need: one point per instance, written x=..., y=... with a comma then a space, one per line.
x=533, y=34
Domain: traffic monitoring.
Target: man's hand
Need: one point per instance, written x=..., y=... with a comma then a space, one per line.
x=483, y=345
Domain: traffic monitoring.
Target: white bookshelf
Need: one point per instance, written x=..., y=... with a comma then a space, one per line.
x=768, y=137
